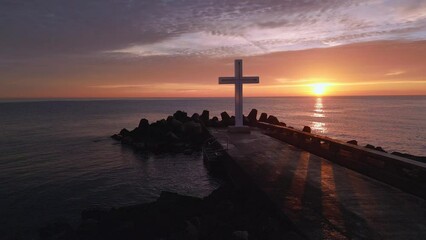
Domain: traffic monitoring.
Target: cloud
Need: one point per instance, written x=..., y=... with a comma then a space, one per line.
x=207, y=28
x=256, y=29
x=395, y=73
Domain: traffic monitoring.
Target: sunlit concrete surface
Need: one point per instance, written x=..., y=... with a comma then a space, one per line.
x=324, y=200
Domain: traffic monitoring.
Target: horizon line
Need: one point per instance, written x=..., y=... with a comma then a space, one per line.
x=170, y=98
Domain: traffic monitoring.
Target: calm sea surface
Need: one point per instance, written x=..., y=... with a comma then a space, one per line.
x=56, y=157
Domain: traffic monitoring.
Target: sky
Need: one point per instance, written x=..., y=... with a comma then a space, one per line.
x=179, y=48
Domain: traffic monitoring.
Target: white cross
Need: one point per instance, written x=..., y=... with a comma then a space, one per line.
x=238, y=80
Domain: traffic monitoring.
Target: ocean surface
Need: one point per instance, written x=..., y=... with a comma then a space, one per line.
x=56, y=157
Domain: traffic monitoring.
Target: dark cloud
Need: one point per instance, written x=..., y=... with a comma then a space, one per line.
x=33, y=28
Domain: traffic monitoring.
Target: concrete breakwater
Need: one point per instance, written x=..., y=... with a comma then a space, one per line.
x=402, y=170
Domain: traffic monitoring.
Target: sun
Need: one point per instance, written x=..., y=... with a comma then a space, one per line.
x=319, y=89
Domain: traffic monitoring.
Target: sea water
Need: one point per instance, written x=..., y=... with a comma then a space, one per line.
x=56, y=157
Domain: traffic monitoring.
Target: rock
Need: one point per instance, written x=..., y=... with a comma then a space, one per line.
x=195, y=117
x=252, y=117
x=307, y=129
x=354, y=142
x=263, y=117
x=205, y=116
x=143, y=124
x=214, y=122
x=273, y=120
x=370, y=146
x=181, y=116
x=282, y=124
x=380, y=149
x=117, y=137
x=124, y=132
x=226, y=119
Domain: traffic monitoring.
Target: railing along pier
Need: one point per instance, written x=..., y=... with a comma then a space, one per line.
x=406, y=174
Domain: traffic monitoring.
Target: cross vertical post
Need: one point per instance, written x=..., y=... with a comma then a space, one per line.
x=238, y=93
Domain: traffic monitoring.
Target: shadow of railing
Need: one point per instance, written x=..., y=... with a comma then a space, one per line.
x=405, y=174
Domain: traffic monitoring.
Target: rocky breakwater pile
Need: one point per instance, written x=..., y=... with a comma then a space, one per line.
x=227, y=213
x=177, y=133
x=181, y=133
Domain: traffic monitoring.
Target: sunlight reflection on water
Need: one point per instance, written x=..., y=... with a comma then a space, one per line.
x=318, y=114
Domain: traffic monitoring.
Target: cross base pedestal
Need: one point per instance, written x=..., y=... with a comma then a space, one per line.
x=239, y=129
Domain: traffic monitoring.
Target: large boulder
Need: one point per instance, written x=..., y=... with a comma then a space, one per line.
x=214, y=122
x=370, y=146
x=124, y=132
x=307, y=129
x=143, y=123
x=273, y=120
x=181, y=116
x=263, y=117
x=252, y=117
x=205, y=116
x=226, y=119
x=195, y=117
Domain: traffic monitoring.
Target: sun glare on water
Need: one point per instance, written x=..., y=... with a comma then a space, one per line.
x=319, y=89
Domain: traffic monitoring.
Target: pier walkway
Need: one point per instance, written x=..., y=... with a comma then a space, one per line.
x=324, y=200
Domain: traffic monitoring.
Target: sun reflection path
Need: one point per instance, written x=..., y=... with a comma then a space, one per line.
x=318, y=125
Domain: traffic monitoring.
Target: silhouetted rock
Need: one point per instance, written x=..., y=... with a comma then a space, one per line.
x=370, y=146
x=283, y=124
x=214, y=122
x=171, y=135
x=380, y=149
x=226, y=119
x=273, y=120
x=117, y=137
x=354, y=142
x=252, y=117
x=124, y=132
x=307, y=129
x=195, y=117
x=143, y=124
x=181, y=116
x=205, y=116
x=263, y=117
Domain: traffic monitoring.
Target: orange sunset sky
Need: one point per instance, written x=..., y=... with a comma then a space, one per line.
x=128, y=49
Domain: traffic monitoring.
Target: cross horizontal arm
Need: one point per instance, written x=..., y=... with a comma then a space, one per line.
x=250, y=79
x=227, y=80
